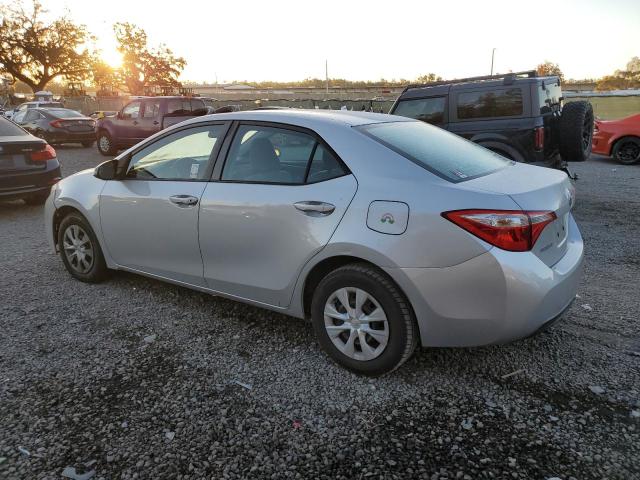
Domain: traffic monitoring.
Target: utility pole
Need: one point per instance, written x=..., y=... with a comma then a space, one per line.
x=493, y=52
x=326, y=75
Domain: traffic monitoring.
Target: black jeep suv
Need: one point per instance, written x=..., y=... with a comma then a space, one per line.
x=518, y=115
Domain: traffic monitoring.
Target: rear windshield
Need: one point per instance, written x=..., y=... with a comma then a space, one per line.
x=51, y=105
x=10, y=129
x=64, y=113
x=445, y=154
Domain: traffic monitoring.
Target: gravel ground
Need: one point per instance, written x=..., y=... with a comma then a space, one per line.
x=134, y=378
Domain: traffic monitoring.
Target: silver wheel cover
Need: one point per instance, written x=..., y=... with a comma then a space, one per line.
x=356, y=323
x=78, y=248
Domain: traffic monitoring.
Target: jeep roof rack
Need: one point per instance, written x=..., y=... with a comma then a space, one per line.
x=507, y=77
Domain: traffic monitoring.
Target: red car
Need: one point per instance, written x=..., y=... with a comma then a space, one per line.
x=619, y=139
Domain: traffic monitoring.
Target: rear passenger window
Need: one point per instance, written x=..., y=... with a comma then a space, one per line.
x=151, y=109
x=430, y=110
x=178, y=106
x=494, y=103
x=324, y=166
x=261, y=154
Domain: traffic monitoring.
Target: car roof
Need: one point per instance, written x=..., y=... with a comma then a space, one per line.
x=443, y=88
x=305, y=117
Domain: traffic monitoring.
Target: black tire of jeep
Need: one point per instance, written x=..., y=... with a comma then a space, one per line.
x=403, y=330
x=99, y=270
x=106, y=147
x=576, y=131
x=627, y=150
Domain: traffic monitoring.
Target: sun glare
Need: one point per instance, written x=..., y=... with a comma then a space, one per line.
x=112, y=57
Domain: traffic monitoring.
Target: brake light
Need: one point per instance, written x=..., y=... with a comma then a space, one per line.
x=48, y=153
x=539, y=138
x=56, y=124
x=512, y=230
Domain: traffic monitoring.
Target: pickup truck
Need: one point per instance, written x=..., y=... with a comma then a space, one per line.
x=143, y=117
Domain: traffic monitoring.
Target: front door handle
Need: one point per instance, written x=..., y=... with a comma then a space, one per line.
x=184, y=200
x=135, y=122
x=155, y=122
x=314, y=208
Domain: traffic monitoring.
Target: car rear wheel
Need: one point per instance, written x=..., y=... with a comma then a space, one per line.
x=105, y=144
x=627, y=150
x=363, y=321
x=80, y=250
x=576, y=131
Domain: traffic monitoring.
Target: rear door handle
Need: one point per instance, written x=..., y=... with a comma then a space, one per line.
x=155, y=122
x=184, y=200
x=135, y=122
x=314, y=208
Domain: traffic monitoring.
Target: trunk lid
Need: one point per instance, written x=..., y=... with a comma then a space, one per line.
x=15, y=153
x=536, y=189
x=76, y=124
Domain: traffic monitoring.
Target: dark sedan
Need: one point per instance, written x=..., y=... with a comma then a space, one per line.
x=28, y=165
x=58, y=125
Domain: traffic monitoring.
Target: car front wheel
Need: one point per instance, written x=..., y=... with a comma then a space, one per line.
x=80, y=250
x=363, y=320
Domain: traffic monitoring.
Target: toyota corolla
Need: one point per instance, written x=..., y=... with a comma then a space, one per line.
x=384, y=231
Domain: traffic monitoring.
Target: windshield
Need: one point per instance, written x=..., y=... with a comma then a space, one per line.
x=64, y=113
x=448, y=156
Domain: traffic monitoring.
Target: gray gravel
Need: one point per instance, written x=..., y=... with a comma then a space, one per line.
x=134, y=378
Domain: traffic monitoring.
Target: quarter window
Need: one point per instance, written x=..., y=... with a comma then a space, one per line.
x=324, y=166
x=430, y=110
x=183, y=155
x=494, y=103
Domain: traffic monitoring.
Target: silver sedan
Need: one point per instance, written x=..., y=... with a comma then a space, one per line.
x=383, y=231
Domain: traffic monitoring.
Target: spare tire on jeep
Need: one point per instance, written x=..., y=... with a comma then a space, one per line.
x=575, y=131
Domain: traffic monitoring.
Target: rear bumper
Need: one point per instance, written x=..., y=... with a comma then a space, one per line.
x=496, y=297
x=60, y=136
x=23, y=184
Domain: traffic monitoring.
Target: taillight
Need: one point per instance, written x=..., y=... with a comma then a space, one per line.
x=56, y=124
x=539, y=138
x=513, y=230
x=48, y=153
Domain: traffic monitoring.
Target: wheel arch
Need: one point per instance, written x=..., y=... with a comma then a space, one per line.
x=330, y=263
x=613, y=142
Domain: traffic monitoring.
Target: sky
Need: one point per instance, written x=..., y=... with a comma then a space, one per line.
x=367, y=40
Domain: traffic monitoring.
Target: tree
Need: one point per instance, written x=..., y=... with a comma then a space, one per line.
x=429, y=77
x=622, y=79
x=104, y=76
x=550, y=68
x=142, y=66
x=36, y=52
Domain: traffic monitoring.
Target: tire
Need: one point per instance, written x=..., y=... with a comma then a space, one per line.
x=627, y=150
x=105, y=144
x=91, y=267
x=88, y=144
x=36, y=198
x=575, y=131
x=394, y=339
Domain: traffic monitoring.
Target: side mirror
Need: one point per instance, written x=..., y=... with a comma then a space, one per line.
x=107, y=170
